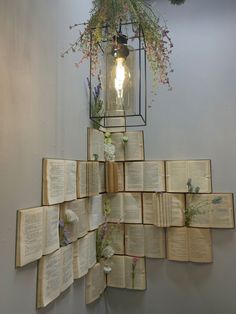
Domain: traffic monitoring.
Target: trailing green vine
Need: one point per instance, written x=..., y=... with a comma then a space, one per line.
x=139, y=12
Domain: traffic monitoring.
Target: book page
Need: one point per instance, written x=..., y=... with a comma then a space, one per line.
x=154, y=242
x=177, y=244
x=92, y=254
x=116, y=278
x=132, y=207
x=116, y=124
x=116, y=237
x=200, y=245
x=67, y=276
x=117, y=141
x=134, y=176
x=82, y=187
x=120, y=176
x=176, y=208
x=212, y=215
x=154, y=176
x=95, y=145
x=70, y=180
x=135, y=273
x=53, y=181
x=200, y=173
x=93, y=178
x=49, y=278
x=51, y=240
x=134, y=240
x=80, y=257
x=95, y=283
x=116, y=205
x=95, y=212
x=29, y=235
x=149, y=212
x=134, y=148
x=102, y=183
x=178, y=172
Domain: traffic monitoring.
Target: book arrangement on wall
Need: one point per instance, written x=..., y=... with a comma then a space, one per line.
x=102, y=218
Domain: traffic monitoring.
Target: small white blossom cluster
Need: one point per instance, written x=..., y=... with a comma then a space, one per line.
x=71, y=217
x=109, y=150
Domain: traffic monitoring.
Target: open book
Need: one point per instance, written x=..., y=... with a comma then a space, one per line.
x=80, y=227
x=125, y=207
x=89, y=178
x=84, y=254
x=163, y=209
x=37, y=233
x=212, y=210
x=114, y=177
x=55, y=274
x=144, y=240
x=95, y=145
x=133, y=149
x=59, y=181
x=189, y=244
x=127, y=272
x=95, y=283
x=178, y=172
x=145, y=176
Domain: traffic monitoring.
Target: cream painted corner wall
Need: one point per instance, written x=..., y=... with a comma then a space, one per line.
x=43, y=113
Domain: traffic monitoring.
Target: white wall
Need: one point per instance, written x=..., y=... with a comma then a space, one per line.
x=43, y=113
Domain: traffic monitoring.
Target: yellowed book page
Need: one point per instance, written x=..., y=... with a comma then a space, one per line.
x=212, y=214
x=134, y=176
x=93, y=178
x=53, y=181
x=67, y=275
x=176, y=204
x=118, y=122
x=120, y=176
x=95, y=212
x=116, y=205
x=116, y=237
x=95, y=145
x=134, y=240
x=82, y=186
x=149, y=212
x=49, y=278
x=157, y=202
x=70, y=180
x=132, y=207
x=51, y=240
x=200, y=245
x=154, y=176
x=135, y=273
x=177, y=244
x=117, y=140
x=116, y=278
x=154, y=241
x=134, y=148
x=94, y=283
x=92, y=256
x=29, y=235
x=102, y=185
x=179, y=172
x=80, y=257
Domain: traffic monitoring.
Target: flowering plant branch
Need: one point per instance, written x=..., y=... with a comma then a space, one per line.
x=134, y=264
x=139, y=12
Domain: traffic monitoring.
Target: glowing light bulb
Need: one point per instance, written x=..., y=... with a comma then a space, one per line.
x=120, y=77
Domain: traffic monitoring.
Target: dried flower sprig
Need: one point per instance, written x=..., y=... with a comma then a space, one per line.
x=134, y=264
x=111, y=12
x=195, y=208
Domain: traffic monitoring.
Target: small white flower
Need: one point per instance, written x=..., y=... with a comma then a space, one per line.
x=71, y=217
x=107, y=269
x=108, y=252
x=109, y=150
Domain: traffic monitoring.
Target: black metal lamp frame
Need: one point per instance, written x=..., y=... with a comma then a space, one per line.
x=142, y=83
